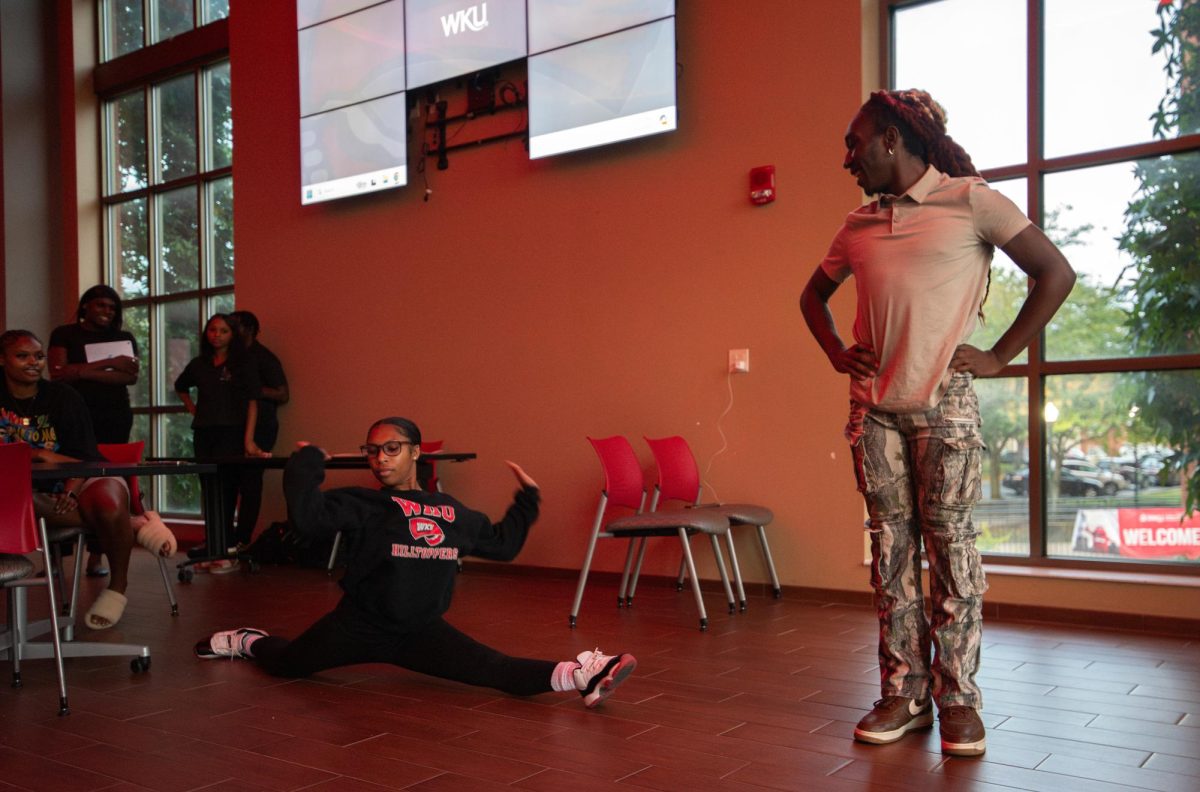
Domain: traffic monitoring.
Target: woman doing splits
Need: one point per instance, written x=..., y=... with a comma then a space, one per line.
x=403, y=554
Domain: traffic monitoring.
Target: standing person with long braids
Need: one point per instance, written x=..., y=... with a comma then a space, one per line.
x=224, y=412
x=921, y=256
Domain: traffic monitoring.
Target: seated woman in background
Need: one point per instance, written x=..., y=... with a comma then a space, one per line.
x=103, y=382
x=52, y=418
x=403, y=559
x=224, y=412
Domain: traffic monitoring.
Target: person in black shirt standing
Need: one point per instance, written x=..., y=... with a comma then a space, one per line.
x=272, y=393
x=404, y=548
x=225, y=411
x=103, y=382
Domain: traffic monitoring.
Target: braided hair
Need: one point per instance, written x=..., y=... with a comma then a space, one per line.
x=921, y=122
x=922, y=125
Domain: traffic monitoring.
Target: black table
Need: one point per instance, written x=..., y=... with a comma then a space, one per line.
x=209, y=470
x=216, y=541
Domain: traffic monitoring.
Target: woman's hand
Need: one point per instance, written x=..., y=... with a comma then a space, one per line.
x=324, y=453
x=65, y=502
x=522, y=477
x=122, y=363
x=253, y=450
x=972, y=360
x=858, y=361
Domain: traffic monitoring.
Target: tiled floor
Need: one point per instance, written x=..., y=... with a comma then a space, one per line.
x=764, y=700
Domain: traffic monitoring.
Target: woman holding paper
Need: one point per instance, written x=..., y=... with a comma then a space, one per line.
x=96, y=357
x=99, y=360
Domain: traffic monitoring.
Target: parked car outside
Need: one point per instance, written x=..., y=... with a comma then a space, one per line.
x=1112, y=481
x=1151, y=470
x=1070, y=483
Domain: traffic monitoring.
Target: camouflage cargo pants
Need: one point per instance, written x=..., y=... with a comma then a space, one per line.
x=920, y=476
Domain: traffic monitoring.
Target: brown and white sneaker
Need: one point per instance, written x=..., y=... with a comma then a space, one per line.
x=962, y=731
x=892, y=718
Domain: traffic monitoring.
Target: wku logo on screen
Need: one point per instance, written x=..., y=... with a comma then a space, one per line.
x=473, y=19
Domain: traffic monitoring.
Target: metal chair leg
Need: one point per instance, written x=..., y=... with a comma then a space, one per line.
x=63, y=708
x=587, y=562
x=333, y=552
x=766, y=548
x=166, y=578
x=625, y=573
x=737, y=572
x=637, y=571
x=716, y=546
x=691, y=565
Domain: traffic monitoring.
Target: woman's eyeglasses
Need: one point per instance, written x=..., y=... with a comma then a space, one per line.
x=391, y=448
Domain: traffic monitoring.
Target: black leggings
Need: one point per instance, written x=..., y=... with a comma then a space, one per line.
x=222, y=441
x=344, y=637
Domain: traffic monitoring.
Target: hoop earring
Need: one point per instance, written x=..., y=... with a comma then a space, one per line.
x=890, y=152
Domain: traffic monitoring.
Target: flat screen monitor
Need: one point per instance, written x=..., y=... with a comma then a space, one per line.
x=449, y=38
x=353, y=150
x=556, y=23
x=352, y=58
x=310, y=12
x=616, y=87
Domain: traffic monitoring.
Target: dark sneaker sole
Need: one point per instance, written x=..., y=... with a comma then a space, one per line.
x=617, y=672
x=924, y=720
x=203, y=650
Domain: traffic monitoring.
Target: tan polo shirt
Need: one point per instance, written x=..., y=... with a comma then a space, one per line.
x=920, y=263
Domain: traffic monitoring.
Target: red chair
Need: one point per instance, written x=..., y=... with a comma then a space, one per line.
x=432, y=483
x=625, y=488
x=132, y=452
x=679, y=479
x=20, y=534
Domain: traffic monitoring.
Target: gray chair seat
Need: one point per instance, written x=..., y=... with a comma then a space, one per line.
x=743, y=513
x=668, y=523
x=63, y=533
x=14, y=567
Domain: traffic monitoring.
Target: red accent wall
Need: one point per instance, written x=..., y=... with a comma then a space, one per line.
x=530, y=304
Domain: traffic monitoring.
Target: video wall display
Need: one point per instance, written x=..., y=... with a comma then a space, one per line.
x=603, y=90
x=557, y=23
x=599, y=71
x=444, y=39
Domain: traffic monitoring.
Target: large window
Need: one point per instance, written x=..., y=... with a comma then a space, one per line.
x=167, y=145
x=1087, y=114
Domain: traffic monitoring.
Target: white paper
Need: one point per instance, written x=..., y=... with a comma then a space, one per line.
x=108, y=349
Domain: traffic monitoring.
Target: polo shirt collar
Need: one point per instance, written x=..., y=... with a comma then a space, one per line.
x=920, y=189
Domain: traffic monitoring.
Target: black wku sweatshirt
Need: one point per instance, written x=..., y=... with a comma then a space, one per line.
x=402, y=546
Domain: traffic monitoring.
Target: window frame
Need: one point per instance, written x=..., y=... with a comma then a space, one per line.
x=193, y=52
x=1037, y=369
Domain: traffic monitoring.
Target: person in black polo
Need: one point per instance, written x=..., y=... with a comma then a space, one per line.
x=272, y=393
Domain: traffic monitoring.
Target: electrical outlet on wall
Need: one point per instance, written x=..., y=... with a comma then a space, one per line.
x=739, y=361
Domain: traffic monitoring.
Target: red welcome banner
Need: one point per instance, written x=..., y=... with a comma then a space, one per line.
x=1138, y=533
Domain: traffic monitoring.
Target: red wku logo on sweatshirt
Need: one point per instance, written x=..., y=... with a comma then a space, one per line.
x=412, y=507
x=428, y=530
